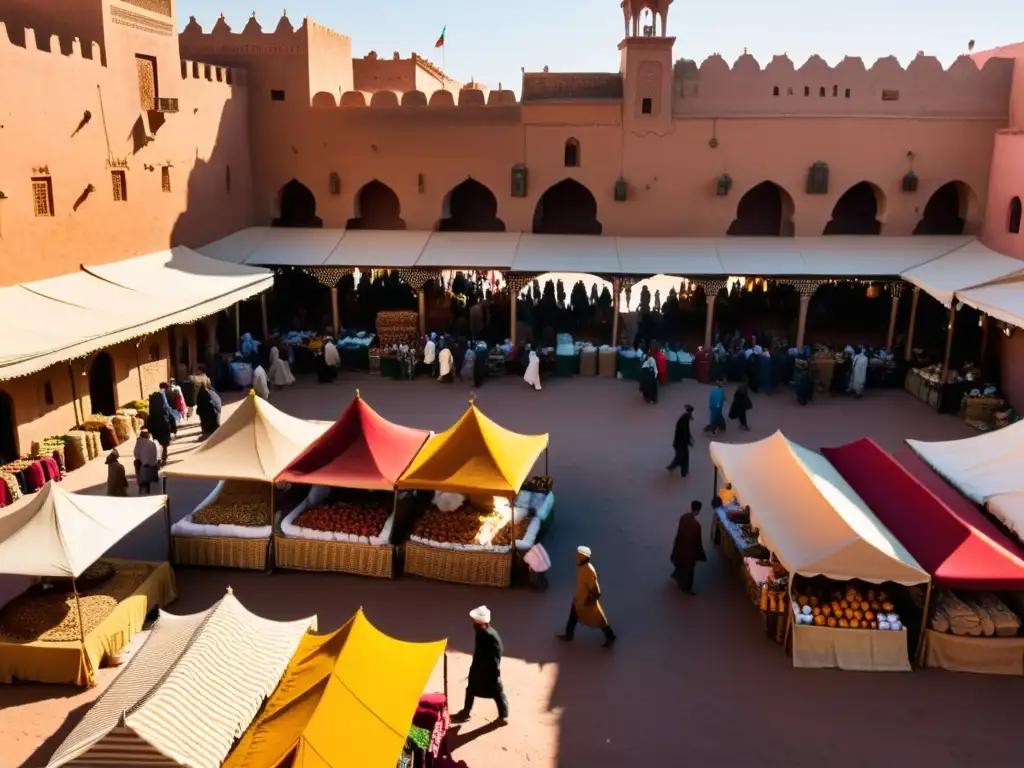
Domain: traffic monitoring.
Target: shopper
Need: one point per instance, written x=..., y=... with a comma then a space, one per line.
x=532, y=375
x=147, y=462
x=741, y=403
x=688, y=548
x=208, y=406
x=586, y=601
x=681, y=443
x=117, y=480
x=485, y=669
x=159, y=423
x=716, y=404
x=260, y=382
x=649, y=380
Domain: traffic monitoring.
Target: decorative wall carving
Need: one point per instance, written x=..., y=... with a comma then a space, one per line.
x=542, y=86
x=142, y=23
x=163, y=7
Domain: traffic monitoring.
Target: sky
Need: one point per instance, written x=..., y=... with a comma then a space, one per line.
x=491, y=40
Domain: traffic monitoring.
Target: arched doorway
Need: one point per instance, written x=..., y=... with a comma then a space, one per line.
x=377, y=207
x=946, y=210
x=1013, y=225
x=297, y=207
x=858, y=211
x=766, y=210
x=470, y=207
x=8, y=429
x=101, y=385
x=567, y=208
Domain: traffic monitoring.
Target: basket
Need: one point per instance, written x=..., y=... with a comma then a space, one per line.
x=486, y=569
x=339, y=556
x=607, y=360
x=220, y=552
x=980, y=408
x=588, y=363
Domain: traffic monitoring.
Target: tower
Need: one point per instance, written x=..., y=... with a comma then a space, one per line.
x=646, y=66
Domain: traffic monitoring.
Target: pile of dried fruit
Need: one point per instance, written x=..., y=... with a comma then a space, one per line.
x=241, y=502
x=502, y=539
x=51, y=615
x=466, y=525
x=346, y=517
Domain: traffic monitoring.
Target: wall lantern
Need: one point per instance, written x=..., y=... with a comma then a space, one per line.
x=519, y=177
x=910, y=182
x=724, y=185
x=817, y=179
x=874, y=291
x=334, y=184
x=621, y=191
x=419, y=183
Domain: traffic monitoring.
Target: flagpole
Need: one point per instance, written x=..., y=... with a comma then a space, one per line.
x=444, y=48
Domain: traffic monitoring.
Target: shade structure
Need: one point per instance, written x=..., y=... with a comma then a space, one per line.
x=184, y=697
x=971, y=265
x=1003, y=300
x=474, y=456
x=255, y=443
x=58, y=534
x=346, y=699
x=361, y=449
x=810, y=517
x=944, y=532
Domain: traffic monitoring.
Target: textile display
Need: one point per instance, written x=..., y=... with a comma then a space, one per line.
x=69, y=662
x=865, y=650
x=983, y=655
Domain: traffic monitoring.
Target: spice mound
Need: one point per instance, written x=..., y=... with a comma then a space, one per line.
x=240, y=502
x=346, y=517
x=50, y=614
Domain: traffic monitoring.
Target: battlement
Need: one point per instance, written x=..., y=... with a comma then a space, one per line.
x=921, y=88
x=233, y=77
x=70, y=48
x=252, y=40
x=467, y=97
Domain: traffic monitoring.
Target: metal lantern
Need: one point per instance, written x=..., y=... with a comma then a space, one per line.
x=724, y=185
x=334, y=184
x=874, y=291
x=910, y=182
x=817, y=179
x=519, y=181
x=621, y=191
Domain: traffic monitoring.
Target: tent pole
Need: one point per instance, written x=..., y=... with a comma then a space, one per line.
x=949, y=342
x=445, y=673
x=714, y=490
x=170, y=539
x=924, y=625
x=78, y=607
x=547, y=453
x=273, y=520
x=394, y=528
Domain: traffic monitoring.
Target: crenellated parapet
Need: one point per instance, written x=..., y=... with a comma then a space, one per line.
x=252, y=40
x=71, y=51
x=232, y=77
x=922, y=88
x=468, y=98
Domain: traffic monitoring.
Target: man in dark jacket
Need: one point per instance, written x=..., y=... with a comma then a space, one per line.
x=485, y=671
x=688, y=548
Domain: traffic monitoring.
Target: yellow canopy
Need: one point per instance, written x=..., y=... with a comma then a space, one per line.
x=346, y=699
x=475, y=456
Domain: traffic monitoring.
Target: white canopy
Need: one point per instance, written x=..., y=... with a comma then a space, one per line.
x=566, y=253
x=969, y=266
x=58, y=534
x=809, y=516
x=255, y=443
x=236, y=247
x=1003, y=300
x=387, y=249
x=485, y=250
x=295, y=247
x=668, y=256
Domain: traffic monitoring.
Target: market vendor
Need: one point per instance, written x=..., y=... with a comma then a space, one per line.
x=485, y=670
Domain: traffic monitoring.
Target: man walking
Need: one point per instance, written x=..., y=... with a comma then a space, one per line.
x=485, y=670
x=688, y=548
x=586, y=601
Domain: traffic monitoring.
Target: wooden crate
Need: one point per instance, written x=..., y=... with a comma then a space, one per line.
x=489, y=569
x=337, y=556
x=220, y=552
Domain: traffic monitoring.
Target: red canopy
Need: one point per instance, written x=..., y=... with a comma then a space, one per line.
x=360, y=450
x=945, y=532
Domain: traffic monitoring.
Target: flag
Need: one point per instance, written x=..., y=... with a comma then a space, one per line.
x=440, y=40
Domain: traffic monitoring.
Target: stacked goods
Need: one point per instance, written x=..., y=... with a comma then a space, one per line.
x=241, y=502
x=51, y=446
x=92, y=442
x=11, y=482
x=95, y=423
x=362, y=520
x=539, y=484
x=75, y=450
x=774, y=592
x=141, y=408
x=847, y=609
x=122, y=425
x=48, y=612
x=983, y=614
x=397, y=327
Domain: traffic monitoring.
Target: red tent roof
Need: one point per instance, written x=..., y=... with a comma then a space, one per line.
x=361, y=449
x=945, y=532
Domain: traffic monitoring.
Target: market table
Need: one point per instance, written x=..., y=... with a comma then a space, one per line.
x=985, y=655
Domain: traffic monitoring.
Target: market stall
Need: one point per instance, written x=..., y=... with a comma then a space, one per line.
x=483, y=510
x=969, y=627
x=185, y=695
x=346, y=699
x=347, y=521
x=233, y=526
x=835, y=551
x=82, y=610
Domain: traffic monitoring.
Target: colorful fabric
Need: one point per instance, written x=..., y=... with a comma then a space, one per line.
x=440, y=40
x=35, y=477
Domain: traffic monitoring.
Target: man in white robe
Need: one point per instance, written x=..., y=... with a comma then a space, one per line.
x=445, y=361
x=331, y=356
x=430, y=356
x=859, y=376
x=260, y=382
x=280, y=373
x=532, y=375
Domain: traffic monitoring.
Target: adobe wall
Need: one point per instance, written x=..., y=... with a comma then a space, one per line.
x=1015, y=52
x=886, y=88
x=78, y=119
x=372, y=73
x=1006, y=181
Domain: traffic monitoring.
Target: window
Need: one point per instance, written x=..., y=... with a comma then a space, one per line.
x=821, y=91
x=42, y=195
x=572, y=153
x=154, y=352
x=807, y=90
x=146, y=66
x=277, y=95
x=775, y=91
x=1015, y=212
x=646, y=106
x=890, y=95
x=835, y=90
x=48, y=393
x=847, y=94
x=165, y=178
x=120, y=185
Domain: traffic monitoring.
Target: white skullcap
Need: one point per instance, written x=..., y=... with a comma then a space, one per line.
x=585, y=551
x=481, y=614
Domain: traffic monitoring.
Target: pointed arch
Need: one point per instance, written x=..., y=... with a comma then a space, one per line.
x=566, y=208
x=296, y=207
x=765, y=210
x=102, y=394
x=8, y=429
x=1013, y=223
x=948, y=210
x=860, y=210
x=376, y=207
x=573, y=158
x=470, y=207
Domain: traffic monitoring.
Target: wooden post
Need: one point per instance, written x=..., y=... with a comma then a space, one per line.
x=238, y=323
x=909, y=351
x=711, y=293
x=273, y=521
x=801, y=323
x=421, y=296
x=893, y=311
x=513, y=312
x=616, y=288
x=79, y=417
x=919, y=656
x=266, y=319
x=335, y=314
x=984, y=341
x=949, y=342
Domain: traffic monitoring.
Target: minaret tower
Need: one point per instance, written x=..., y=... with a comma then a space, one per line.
x=646, y=66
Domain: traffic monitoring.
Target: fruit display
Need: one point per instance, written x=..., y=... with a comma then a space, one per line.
x=358, y=519
x=979, y=614
x=240, y=502
x=95, y=422
x=850, y=608
x=48, y=613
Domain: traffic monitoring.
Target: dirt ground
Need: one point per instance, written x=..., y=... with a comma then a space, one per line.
x=691, y=681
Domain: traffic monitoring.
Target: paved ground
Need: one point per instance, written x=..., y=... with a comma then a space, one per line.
x=692, y=680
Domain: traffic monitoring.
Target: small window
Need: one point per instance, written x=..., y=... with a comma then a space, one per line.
x=789, y=91
x=48, y=393
x=1015, y=212
x=646, y=106
x=154, y=352
x=775, y=91
x=227, y=179
x=572, y=153
x=835, y=90
x=165, y=178
x=888, y=95
x=807, y=90
x=847, y=94
x=42, y=196
x=120, y=184
x=821, y=92
x=277, y=95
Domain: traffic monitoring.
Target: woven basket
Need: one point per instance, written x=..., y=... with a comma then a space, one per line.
x=980, y=408
x=122, y=428
x=339, y=556
x=75, y=451
x=487, y=569
x=220, y=552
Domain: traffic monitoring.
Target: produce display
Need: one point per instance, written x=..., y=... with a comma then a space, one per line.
x=241, y=502
x=539, y=483
x=977, y=615
x=47, y=611
x=774, y=594
x=355, y=518
x=471, y=526
x=397, y=326
x=850, y=608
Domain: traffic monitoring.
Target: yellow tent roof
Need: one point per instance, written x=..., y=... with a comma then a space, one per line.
x=346, y=699
x=475, y=456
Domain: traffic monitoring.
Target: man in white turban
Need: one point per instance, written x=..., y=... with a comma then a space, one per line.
x=586, y=601
x=485, y=670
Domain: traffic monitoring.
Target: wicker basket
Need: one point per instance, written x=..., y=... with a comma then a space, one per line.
x=487, y=569
x=220, y=552
x=340, y=556
x=980, y=408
